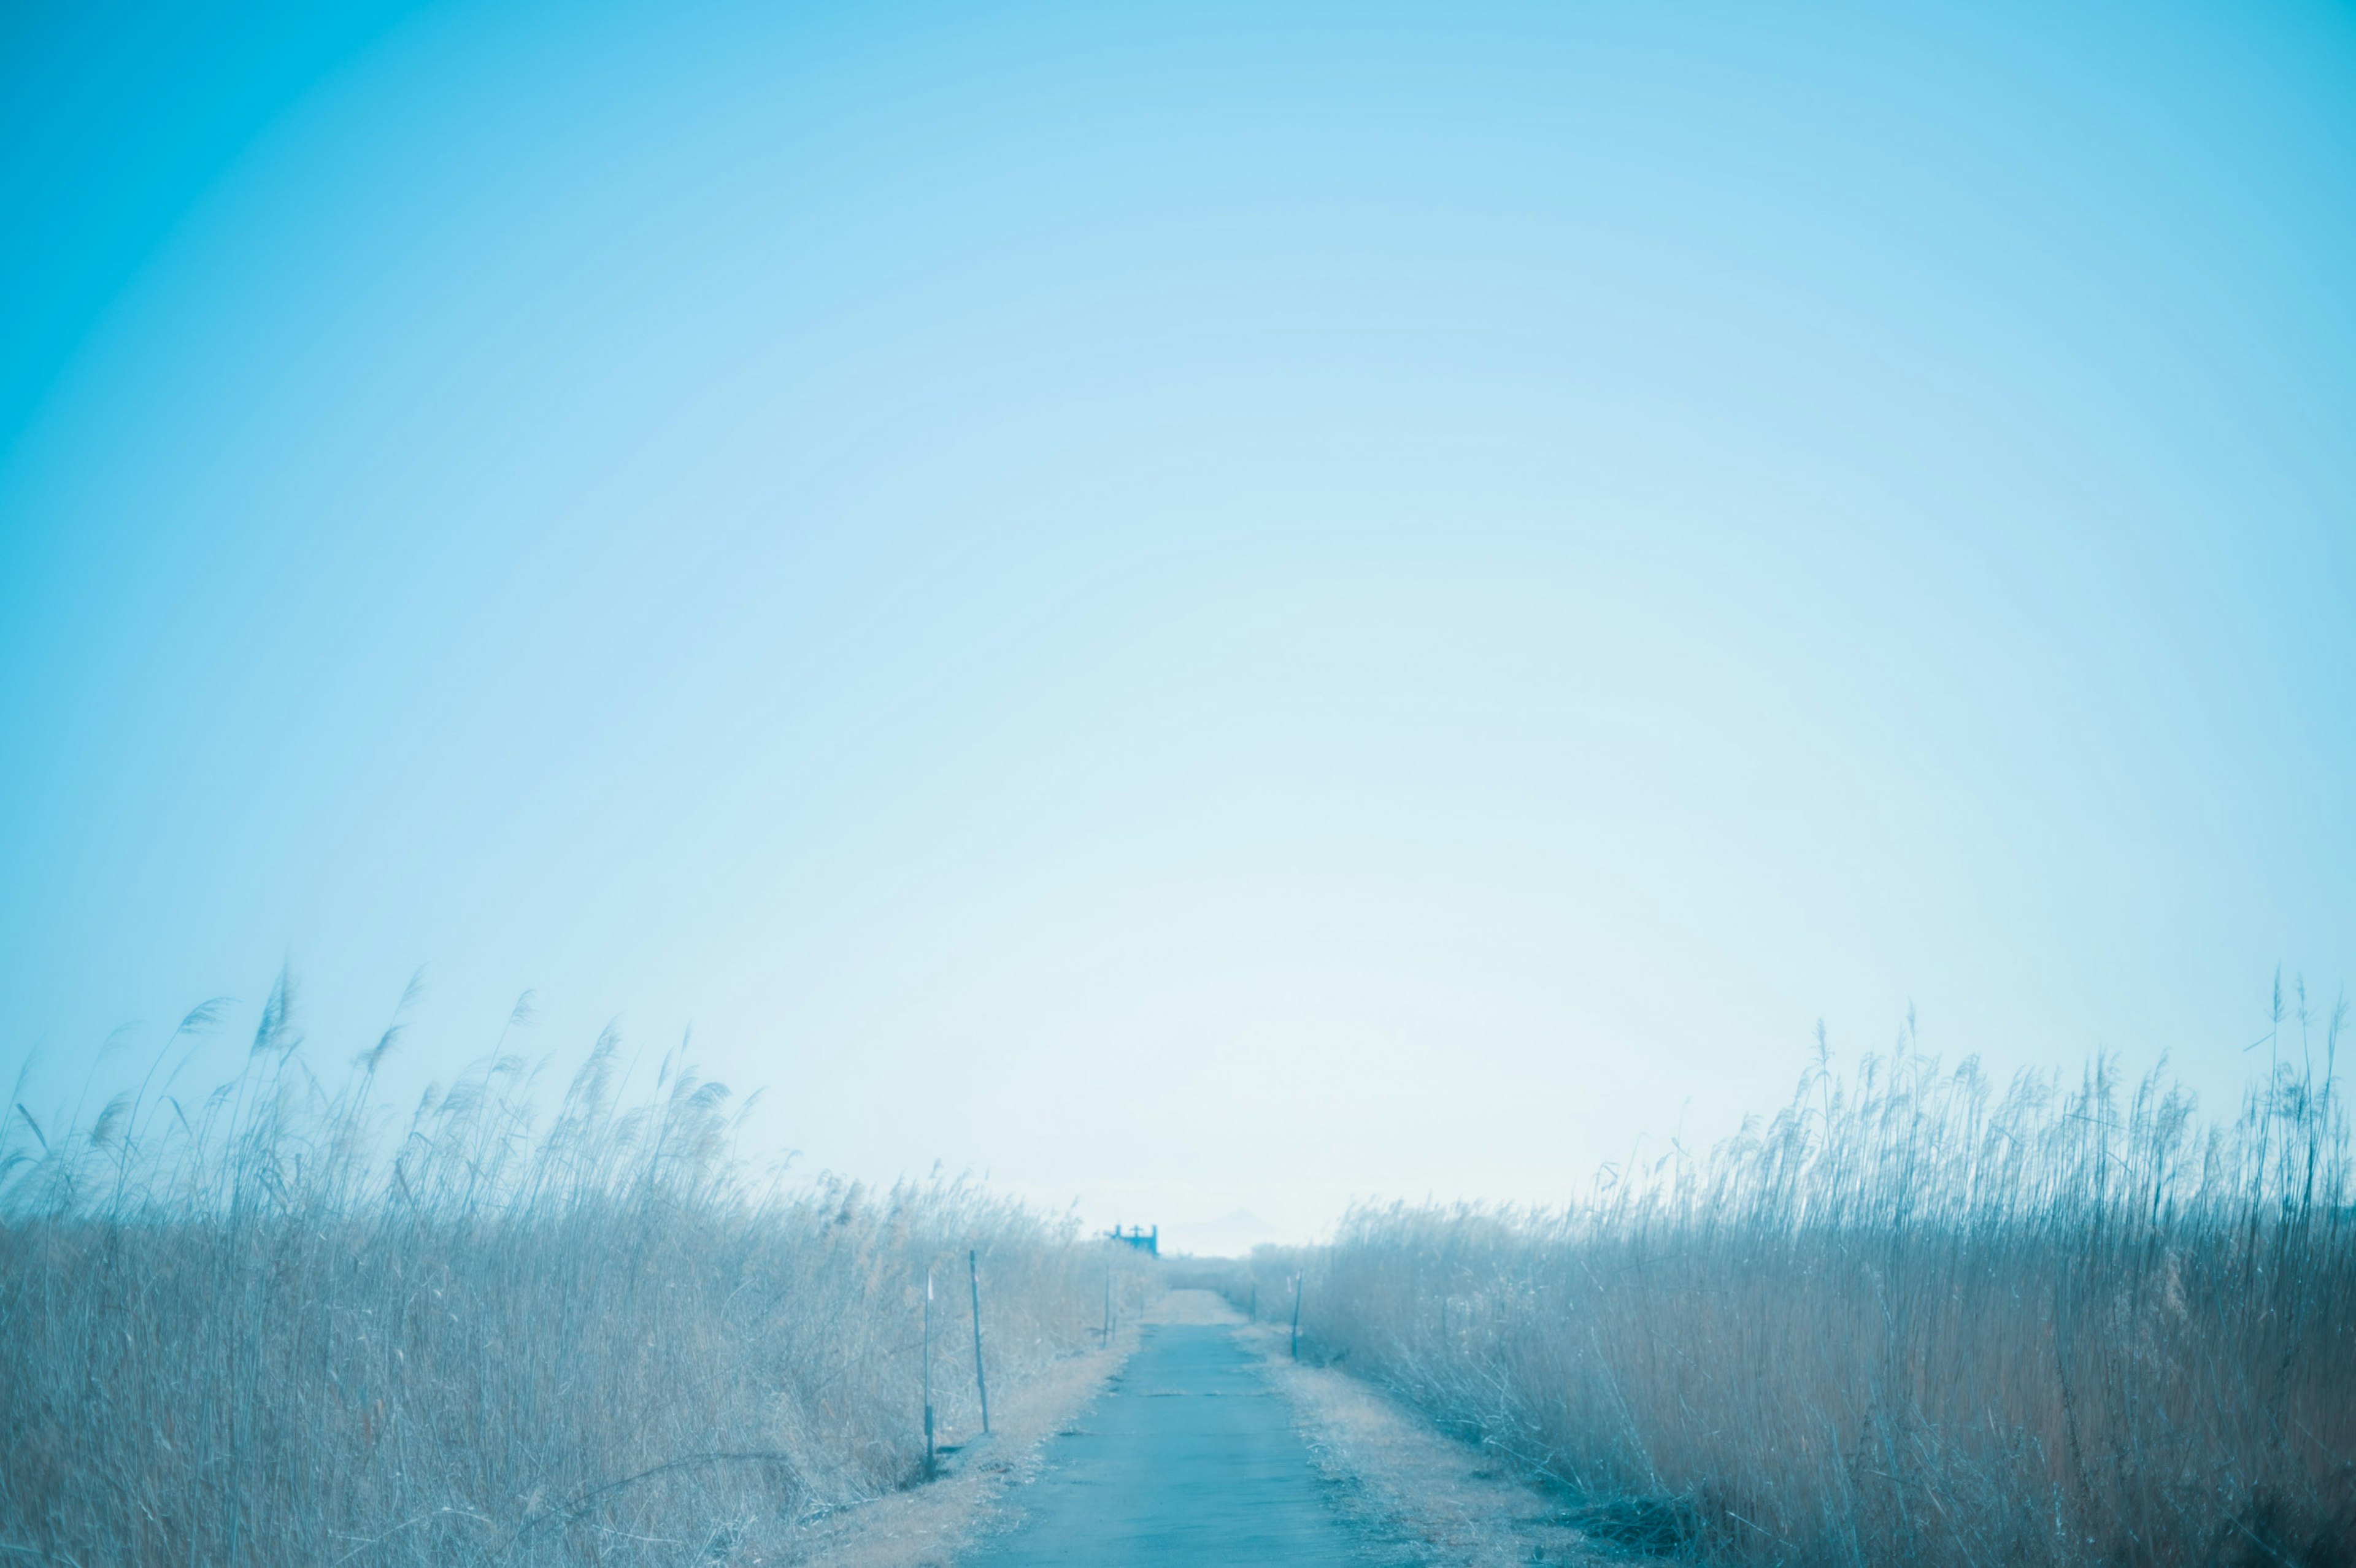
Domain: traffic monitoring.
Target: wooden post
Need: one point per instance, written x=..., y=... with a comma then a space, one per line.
x=1108, y=1323
x=929, y=1370
x=973, y=1278
x=1296, y=1318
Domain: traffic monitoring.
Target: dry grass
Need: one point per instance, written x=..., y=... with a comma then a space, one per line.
x=1908, y=1320
x=256, y=1330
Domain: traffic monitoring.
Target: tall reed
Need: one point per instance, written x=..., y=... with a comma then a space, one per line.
x=1911, y=1320
x=256, y=1330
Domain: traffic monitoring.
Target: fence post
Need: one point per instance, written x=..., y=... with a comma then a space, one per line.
x=929, y=1370
x=1296, y=1318
x=973, y=1278
x=1107, y=1322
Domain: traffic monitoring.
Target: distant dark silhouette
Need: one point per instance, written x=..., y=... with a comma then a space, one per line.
x=1144, y=1240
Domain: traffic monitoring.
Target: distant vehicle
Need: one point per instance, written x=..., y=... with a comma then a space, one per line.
x=1144, y=1240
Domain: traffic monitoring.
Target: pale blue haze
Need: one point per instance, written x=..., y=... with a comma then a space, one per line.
x=1197, y=607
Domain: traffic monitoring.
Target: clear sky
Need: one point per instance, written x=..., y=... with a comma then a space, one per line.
x=1198, y=607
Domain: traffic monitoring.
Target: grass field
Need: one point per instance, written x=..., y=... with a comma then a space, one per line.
x=259, y=1329
x=1911, y=1320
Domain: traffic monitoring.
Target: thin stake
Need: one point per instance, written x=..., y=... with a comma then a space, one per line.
x=973, y=1278
x=1296, y=1318
x=928, y=1370
x=1107, y=1322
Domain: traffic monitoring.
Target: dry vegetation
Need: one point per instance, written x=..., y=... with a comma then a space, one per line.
x=257, y=1330
x=1910, y=1321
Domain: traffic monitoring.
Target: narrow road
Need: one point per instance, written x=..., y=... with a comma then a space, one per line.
x=1188, y=1458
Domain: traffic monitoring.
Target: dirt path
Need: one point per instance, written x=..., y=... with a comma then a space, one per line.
x=1189, y=1456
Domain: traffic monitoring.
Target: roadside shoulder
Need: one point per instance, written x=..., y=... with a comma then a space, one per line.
x=1435, y=1499
x=929, y=1526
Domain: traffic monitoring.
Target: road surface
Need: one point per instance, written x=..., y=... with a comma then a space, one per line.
x=1188, y=1458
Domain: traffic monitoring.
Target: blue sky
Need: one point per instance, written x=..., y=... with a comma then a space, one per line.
x=1198, y=608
